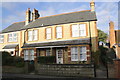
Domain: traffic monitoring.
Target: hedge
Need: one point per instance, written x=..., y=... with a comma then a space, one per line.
x=46, y=59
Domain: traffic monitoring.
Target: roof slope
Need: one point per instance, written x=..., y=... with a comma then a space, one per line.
x=14, y=27
x=72, y=17
x=63, y=19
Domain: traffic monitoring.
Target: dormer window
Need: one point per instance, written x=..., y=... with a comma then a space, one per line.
x=12, y=37
x=1, y=38
x=32, y=35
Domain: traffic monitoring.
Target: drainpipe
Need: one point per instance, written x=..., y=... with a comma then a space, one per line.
x=25, y=35
x=91, y=50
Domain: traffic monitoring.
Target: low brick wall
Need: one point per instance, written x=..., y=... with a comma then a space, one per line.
x=78, y=70
x=12, y=69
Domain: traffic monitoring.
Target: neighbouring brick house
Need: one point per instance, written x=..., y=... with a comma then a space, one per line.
x=114, y=38
x=67, y=36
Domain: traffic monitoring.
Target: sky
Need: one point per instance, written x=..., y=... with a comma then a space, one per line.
x=15, y=11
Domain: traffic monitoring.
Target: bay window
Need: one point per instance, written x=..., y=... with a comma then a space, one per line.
x=59, y=32
x=78, y=30
x=1, y=38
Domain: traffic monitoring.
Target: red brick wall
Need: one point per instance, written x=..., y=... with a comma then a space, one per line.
x=117, y=68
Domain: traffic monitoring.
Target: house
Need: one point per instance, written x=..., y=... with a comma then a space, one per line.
x=71, y=37
x=114, y=39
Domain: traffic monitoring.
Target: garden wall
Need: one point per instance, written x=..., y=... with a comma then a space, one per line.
x=78, y=70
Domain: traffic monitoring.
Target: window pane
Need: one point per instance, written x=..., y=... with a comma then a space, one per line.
x=83, y=56
x=48, y=52
x=1, y=38
x=75, y=30
x=30, y=35
x=82, y=30
x=59, y=32
x=48, y=33
x=74, y=54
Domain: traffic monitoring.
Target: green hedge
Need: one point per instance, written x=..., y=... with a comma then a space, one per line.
x=46, y=59
x=8, y=60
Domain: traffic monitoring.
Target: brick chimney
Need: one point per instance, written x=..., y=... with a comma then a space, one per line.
x=92, y=5
x=28, y=16
x=35, y=14
x=111, y=34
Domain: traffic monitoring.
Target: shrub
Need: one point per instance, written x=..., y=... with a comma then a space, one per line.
x=18, y=61
x=46, y=59
x=7, y=59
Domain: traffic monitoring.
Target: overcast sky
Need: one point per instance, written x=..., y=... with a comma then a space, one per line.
x=15, y=11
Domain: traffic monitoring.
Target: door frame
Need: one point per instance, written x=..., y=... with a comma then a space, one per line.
x=57, y=56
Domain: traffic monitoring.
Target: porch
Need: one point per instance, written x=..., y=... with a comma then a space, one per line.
x=65, y=52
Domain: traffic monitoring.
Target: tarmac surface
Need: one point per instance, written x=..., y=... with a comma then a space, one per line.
x=8, y=76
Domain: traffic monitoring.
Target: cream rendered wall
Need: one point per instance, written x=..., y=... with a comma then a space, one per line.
x=67, y=35
x=10, y=43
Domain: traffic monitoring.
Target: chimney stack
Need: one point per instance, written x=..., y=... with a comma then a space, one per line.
x=111, y=34
x=28, y=16
x=92, y=5
x=35, y=14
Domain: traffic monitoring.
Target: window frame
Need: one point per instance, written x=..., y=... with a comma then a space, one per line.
x=73, y=54
x=29, y=55
x=78, y=31
x=32, y=36
x=48, y=54
x=78, y=53
x=12, y=37
x=48, y=34
x=1, y=38
x=59, y=33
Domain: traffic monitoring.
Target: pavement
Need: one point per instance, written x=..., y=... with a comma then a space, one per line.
x=7, y=76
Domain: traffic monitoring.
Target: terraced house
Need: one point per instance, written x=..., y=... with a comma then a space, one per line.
x=69, y=36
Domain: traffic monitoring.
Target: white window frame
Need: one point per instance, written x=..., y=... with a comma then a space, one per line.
x=29, y=54
x=13, y=38
x=59, y=32
x=48, y=33
x=32, y=35
x=1, y=38
x=48, y=52
x=74, y=54
x=83, y=53
x=78, y=52
x=78, y=30
x=35, y=34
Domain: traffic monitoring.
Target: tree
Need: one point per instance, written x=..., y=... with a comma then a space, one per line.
x=102, y=36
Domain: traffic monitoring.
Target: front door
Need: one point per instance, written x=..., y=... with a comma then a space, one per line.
x=59, y=55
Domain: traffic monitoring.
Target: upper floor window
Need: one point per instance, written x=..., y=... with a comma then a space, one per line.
x=59, y=32
x=32, y=35
x=78, y=30
x=48, y=33
x=12, y=37
x=1, y=38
